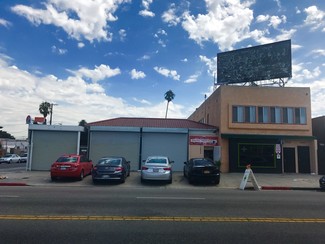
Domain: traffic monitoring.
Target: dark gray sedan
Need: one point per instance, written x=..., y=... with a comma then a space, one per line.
x=111, y=169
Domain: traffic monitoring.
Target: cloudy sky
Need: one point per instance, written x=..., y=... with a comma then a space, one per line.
x=101, y=59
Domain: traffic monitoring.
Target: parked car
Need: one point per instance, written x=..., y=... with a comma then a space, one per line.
x=201, y=169
x=157, y=168
x=10, y=158
x=322, y=183
x=71, y=166
x=111, y=169
x=23, y=158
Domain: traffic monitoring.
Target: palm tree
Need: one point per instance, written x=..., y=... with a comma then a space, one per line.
x=44, y=109
x=169, y=96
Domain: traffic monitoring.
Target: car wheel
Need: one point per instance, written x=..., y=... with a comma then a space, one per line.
x=95, y=181
x=142, y=180
x=217, y=181
x=123, y=178
x=190, y=179
x=170, y=181
x=9, y=162
x=81, y=176
x=129, y=173
x=53, y=178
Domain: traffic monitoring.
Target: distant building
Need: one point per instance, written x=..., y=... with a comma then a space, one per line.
x=269, y=128
x=13, y=146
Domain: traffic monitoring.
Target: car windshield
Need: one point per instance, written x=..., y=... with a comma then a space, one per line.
x=8, y=156
x=110, y=161
x=203, y=162
x=67, y=159
x=157, y=161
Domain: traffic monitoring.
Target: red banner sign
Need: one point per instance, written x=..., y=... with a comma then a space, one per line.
x=204, y=140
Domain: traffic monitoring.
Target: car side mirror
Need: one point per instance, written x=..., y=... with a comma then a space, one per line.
x=185, y=162
x=171, y=162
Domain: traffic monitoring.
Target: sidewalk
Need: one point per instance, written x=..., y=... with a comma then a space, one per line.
x=228, y=180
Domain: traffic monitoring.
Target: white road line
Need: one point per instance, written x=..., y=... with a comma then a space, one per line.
x=173, y=198
x=8, y=196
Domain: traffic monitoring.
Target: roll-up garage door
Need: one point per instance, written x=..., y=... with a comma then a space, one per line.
x=47, y=146
x=115, y=143
x=173, y=145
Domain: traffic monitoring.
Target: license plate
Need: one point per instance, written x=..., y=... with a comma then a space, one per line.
x=155, y=170
x=63, y=168
x=206, y=172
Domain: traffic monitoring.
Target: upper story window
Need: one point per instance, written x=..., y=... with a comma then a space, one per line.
x=266, y=114
x=245, y=114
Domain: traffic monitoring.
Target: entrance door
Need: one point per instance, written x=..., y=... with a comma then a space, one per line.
x=289, y=160
x=303, y=160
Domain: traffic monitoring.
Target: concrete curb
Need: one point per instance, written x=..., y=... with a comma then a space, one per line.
x=286, y=188
x=13, y=184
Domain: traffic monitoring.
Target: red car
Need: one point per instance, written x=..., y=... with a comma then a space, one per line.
x=71, y=166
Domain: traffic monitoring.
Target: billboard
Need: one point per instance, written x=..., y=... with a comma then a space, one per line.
x=264, y=62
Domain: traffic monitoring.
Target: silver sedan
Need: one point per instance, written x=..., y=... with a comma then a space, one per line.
x=157, y=168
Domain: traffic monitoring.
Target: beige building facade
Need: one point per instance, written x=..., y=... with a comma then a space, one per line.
x=269, y=128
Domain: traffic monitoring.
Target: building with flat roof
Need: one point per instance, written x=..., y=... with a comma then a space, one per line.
x=268, y=128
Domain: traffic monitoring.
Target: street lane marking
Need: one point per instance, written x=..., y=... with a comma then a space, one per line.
x=171, y=219
x=173, y=198
x=8, y=196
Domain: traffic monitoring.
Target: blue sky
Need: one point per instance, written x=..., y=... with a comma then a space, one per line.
x=103, y=59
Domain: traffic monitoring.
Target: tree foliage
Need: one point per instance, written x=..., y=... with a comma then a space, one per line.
x=169, y=96
x=82, y=123
x=5, y=134
x=44, y=108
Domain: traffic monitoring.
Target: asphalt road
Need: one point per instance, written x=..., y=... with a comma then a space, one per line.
x=106, y=214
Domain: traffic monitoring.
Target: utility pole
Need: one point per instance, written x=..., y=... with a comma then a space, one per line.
x=51, y=108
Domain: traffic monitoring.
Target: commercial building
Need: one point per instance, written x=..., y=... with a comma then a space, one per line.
x=48, y=142
x=269, y=128
x=138, y=138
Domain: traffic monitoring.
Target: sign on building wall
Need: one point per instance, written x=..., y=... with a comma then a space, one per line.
x=204, y=140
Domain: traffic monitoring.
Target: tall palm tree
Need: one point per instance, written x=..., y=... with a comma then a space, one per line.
x=169, y=96
x=44, y=109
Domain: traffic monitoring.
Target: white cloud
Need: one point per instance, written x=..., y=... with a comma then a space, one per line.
x=5, y=23
x=146, y=11
x=137, y=74
x=122, y=34
x=91, y=22
x=99, y=73
x=274, y=21
x=319, y=52
x=192, y=78
x=58, y=51
x=315, y=18
x=144, y=57
x=81, y=44
x=300, y=74
x=226, y=23
x=210, y=63
x=142, y=101
x=168, y=73
x=170, y=16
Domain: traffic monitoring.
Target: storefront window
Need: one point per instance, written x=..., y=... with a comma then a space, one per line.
x=257, y=155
